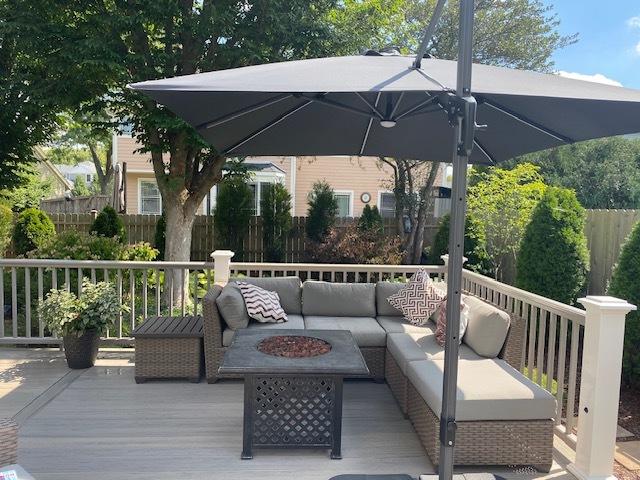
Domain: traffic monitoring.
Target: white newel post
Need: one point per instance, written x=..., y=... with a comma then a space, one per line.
x=221, y=266
x=600, y=386
x=445, y=259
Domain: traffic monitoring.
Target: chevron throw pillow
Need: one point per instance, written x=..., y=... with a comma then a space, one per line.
x=262, y=305
x=419, y=299
x=441, y=324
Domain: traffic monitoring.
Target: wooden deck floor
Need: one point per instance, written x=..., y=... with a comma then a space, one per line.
x=98, y=424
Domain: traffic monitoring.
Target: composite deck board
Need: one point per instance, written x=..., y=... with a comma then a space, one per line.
x=104, y=426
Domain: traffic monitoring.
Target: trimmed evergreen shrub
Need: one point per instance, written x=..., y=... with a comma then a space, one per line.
x=109, y=224
x=234, y=209
x=625, y=283
x=33, y=228
x=554, y=260
x=160, y=235
x=322, y=212
x=275, y=210
x=371, y=220
x=475, y=247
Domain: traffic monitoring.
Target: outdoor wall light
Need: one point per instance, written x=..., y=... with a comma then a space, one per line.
x=387, y=123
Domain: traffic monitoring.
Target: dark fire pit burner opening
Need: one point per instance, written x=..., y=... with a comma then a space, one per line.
x=294, y=346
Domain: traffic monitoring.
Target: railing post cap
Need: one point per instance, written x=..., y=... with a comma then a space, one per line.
x=603, y=302
x=445, y=258
x=222, y=254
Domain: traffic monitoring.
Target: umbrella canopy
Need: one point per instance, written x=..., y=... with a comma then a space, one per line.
x=379, y=105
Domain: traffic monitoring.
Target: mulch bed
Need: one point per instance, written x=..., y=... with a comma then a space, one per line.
x=294, y=346
x=629, y=410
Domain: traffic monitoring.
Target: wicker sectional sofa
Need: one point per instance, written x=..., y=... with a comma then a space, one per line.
x=503, y=418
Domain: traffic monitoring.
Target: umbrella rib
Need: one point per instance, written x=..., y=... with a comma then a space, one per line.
x=373, y=108
x=341, y=106
x=366, y=133
x=524, y=120
x=243, y=111
x=428, y=101
x=395, y=108
x=266, y=127
x=484, y=151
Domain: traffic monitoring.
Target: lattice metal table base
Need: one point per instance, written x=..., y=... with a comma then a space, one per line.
x=292, y=411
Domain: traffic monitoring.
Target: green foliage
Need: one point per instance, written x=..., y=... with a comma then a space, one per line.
x=6, y=226
x=275, y=209
x=604, y=173
x=625, y=283
x=138, y=252
x=501, y=201
x=371, y=220
x=109, y=224
x=74, y=245
x=475, y=247
x=33, y=228
x=32, y=189
x=553, y=259
x=80, y=187
x=322, y=212
x=159, y=235
x=233, y=211
x=65, y=314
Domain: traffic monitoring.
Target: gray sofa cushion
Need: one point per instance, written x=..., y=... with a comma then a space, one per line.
x=488, y=389
x=487, y=328
x=365, y=330
x=411, y=347
x=293, y=322
x=231, y=305
x=338, y=299
x=393, y=324
x=383, y=291
x=289, y=289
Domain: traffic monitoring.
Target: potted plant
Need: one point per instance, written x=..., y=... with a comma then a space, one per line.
x=80, y=320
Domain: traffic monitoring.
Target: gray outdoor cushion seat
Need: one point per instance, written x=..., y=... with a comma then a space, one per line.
x=366, y=331
x=338, y=299
x=488, y=389
x=293, y=322
x=487, y=328
x=400, y=325
x=411, y=347
x=383, y=291
x=289, y=289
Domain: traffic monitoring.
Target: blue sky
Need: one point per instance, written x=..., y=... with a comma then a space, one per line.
x=609, y=39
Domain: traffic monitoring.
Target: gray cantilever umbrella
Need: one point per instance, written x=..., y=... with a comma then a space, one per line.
x=395, y=106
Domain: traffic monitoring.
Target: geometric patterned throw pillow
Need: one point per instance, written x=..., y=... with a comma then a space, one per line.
x=441, y=323
x=418, y=299
x=262, y=305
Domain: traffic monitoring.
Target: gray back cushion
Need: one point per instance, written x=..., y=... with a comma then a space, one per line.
x=383, y=291
x=289, y=289
x=338, y=299
x=487, y=328
x=231, y=305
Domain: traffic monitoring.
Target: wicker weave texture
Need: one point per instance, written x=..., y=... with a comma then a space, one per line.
x=397, y=381
x=374, y=358
x=508, y=442
x=8, y=442
x=168, y=358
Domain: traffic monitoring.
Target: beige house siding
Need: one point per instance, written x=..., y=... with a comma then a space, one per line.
x=133, y=190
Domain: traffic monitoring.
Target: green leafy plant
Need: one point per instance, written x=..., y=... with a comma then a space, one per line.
x=276, y=221
x=233, y=211
x=33, y=228
x=6, y=225
x=475, y=247
x=625, y=283
x=139, y=252
x=74, y=245
x=159, y=235
x=109, y=224
x=322, y=212
x=80, y=187
x=66, y=314
x=371, y=220
x=554, y=259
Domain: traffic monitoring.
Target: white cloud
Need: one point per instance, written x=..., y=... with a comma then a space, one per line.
x=597, y=78
x=638, y=48
x=634, y=22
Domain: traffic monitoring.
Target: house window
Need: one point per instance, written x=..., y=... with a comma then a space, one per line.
x=387, y=204
x=345, y=205
x=258, y=190
x=150, y=199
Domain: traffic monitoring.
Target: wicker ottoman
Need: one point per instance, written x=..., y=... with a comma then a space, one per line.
x=169, y=347
x=8, y=442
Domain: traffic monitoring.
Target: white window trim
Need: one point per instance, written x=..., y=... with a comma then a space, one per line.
x=350, y=193
x=148, y=180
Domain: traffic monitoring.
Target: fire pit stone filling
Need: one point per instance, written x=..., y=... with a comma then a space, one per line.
x=291, y=346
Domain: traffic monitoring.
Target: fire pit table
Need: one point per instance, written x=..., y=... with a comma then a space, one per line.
x=293, y=386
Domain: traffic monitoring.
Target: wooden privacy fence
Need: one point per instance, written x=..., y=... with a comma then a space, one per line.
x=141, y=228
x=606, y=232
x=75, y=204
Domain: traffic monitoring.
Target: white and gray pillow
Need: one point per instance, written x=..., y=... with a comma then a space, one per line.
x=419, y=299
x=262, y=305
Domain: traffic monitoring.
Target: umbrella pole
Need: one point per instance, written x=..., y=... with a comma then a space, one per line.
x=462, y=113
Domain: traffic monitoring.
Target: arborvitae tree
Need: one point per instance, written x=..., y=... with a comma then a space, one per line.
x=371, y=220
x=33, y=227
x=233, y=211
x=322, y=212
x=159, y=236
x=275, y=209
x=554, y=260
x=625, y=283
x=109, y=224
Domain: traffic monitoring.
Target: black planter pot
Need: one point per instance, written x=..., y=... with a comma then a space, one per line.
x=81, y=351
